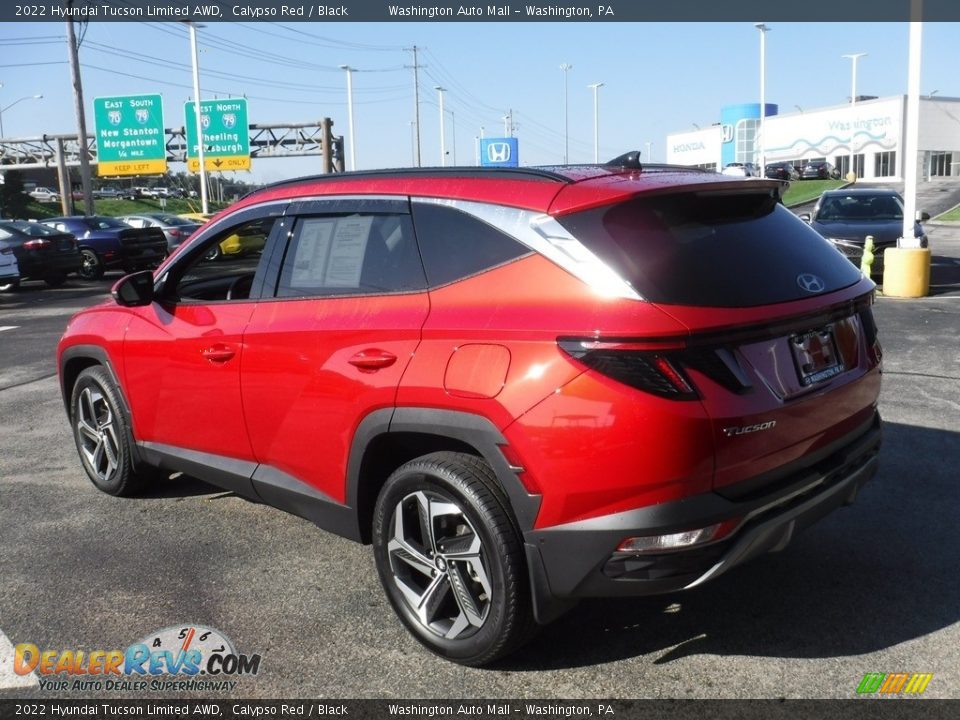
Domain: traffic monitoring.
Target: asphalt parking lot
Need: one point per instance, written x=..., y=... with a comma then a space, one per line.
x=873, y=588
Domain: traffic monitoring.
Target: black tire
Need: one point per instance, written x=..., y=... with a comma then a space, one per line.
x=55, y=281
x=468, y=565
x=213, y=254
x=9, y=285
x=91, y=266
x=101, y=433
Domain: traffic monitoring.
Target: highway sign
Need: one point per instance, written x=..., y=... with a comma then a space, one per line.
x=130, y=136
x=226, y=138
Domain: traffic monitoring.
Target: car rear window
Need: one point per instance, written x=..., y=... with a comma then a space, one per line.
x=711, y=248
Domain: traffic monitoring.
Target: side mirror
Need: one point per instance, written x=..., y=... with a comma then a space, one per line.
x=134, y=290
x=805, y=217
x=922, y=216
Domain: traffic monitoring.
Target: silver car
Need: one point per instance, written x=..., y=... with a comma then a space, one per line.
x=175, y=228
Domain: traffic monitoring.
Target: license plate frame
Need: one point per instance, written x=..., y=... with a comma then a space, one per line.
x=815, y=356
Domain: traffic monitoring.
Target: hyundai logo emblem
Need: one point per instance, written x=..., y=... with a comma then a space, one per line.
x=811, y=283
x=498, y=152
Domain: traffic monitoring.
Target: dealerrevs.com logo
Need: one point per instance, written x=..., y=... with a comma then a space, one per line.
x=177, y=658
x=894, y=683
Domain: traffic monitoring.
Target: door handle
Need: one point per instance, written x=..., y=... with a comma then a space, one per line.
x=372, y=359
x=218, y=353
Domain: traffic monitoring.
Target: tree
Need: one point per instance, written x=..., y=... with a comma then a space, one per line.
x=13, y=200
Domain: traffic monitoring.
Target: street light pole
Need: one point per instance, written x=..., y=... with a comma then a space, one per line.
x=853, y=95
x=353, y=141
x=566, y=67
x=443, y=139
x=596, y=122
x=3, y=110
x=762, y=159
x=204, y=200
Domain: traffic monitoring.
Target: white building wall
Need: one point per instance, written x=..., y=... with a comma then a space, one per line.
x=700, y=147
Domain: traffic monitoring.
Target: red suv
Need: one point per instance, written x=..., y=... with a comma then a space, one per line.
x=523, y=387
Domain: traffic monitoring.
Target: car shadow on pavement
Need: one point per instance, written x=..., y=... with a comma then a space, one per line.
x=868, y=577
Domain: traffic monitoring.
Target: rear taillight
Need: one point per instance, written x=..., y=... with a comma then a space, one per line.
x=637, y=364
x=659, y=368
x=174, y=232
x=36, y=244
x=6, y=251
x=870, y=335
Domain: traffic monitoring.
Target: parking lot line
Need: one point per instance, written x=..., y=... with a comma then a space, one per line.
x=8, y=678
x=8, y=327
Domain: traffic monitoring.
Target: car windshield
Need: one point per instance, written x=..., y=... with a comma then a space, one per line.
x=710, y=248
x=104, y=223
x=863, y=208
x=29, y=228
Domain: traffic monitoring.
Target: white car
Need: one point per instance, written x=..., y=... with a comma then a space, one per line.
x=9, y=270
x=740, y=169
x=43, y=194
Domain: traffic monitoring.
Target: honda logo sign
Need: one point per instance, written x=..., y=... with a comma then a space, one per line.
x=499, y=152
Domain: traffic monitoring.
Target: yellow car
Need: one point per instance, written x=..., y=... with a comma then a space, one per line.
x=251, y=238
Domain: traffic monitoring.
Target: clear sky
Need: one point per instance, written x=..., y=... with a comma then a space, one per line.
x=659, y=78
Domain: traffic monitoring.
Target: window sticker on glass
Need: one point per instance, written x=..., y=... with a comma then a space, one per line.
x=313, y=246
x=346, y=256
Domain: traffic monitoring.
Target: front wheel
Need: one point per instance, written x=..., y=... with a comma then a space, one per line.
x=451, y=560
x=100, y=430
x=213, y=254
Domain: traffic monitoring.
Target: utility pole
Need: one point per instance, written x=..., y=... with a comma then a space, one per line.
x=596, y=122
x=566, y=67
x=443, y=140
x=353, y=143
x=416, y=103
x=204, y=199
x=81, y=118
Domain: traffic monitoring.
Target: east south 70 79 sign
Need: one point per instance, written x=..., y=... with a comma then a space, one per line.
x=130, y=135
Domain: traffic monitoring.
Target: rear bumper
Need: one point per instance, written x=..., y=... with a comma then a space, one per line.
x=580, y=559
x=49, y=265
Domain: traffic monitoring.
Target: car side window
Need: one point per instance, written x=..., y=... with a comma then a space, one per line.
x=351, y=254
x=136, y=222
x=224, y=267
x=455, y=245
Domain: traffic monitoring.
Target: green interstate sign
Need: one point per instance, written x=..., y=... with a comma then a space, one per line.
x=226, y=135
x=130, y=135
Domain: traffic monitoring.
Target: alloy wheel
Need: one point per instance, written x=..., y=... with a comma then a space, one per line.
x=438, y=565
x=97, y=434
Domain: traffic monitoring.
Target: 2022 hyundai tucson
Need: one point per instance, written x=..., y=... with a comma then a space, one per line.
x=523, y=387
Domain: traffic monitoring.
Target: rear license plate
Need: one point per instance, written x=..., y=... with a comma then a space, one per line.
x=816, y=356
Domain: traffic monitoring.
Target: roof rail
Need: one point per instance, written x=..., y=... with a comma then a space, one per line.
x=427, y=172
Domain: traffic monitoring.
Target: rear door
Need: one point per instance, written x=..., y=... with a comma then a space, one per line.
x=349, y=301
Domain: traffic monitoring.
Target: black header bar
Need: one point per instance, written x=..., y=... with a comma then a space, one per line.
x=558, y=11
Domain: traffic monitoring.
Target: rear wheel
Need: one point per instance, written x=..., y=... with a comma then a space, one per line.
x=451, y=560
x=91, y=266
x=213, y=253
x=100, y=430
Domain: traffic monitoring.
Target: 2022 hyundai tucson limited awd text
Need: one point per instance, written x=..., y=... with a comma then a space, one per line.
x=523, y=387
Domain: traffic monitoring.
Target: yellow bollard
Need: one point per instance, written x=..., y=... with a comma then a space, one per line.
x=906, y=272
x=866, y=260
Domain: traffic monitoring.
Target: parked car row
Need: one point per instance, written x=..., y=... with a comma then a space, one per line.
x=39, y=253
x=785, y=170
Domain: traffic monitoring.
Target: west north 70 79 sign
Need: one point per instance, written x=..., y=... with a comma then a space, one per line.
x=226, y=135
x=130, y=135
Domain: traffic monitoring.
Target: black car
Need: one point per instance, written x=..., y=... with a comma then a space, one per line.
x=42, y=253
x=846, y=217
x=781, y=171
x=107, y=243
x=819, y=170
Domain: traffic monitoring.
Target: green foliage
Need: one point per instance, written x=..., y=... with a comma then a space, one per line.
x=13, y=200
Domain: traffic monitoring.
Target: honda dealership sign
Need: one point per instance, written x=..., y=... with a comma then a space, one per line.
x=499, y=152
